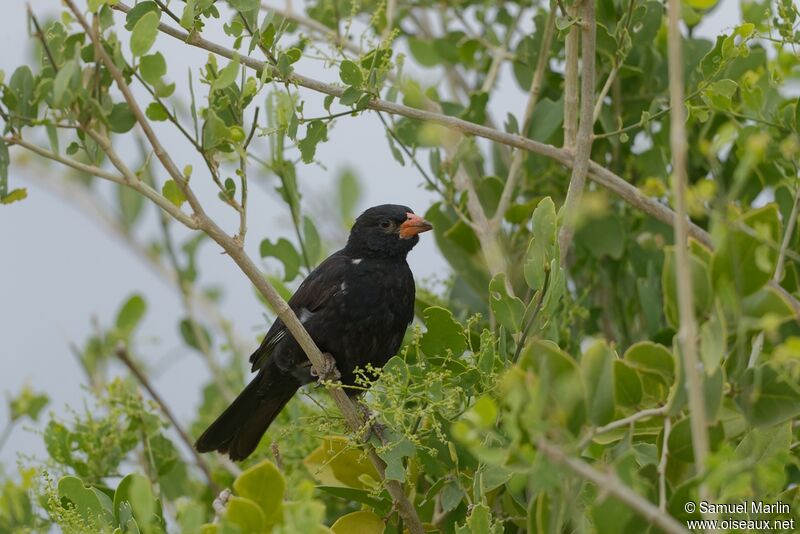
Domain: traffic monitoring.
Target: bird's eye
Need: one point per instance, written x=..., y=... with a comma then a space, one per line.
x=386, y=224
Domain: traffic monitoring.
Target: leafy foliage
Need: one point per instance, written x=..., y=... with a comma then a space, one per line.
x=580, y=352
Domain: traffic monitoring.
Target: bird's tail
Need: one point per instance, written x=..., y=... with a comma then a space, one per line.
x=240, y=427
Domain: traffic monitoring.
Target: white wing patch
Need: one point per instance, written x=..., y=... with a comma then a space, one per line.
x=304, y=315
x=356, y=261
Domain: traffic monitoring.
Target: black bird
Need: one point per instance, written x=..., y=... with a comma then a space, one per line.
x=356, y=305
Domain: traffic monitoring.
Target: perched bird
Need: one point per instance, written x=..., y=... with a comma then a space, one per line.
x=356, y=305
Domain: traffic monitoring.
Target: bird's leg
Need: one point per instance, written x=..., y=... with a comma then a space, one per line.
x=329, y=371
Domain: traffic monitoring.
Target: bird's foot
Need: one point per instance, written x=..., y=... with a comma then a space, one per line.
x=373, y=426
x=329, y=371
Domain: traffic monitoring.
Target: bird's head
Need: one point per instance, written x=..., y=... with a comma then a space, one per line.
x=388, y=230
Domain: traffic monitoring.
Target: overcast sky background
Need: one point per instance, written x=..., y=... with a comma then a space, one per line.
x=58, y=268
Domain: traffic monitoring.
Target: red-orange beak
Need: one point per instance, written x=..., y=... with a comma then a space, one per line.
x=414, y=225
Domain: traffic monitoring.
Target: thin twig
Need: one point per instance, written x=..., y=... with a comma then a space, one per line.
x=41, y=37
x=583, y=142
x=620, y=423
x=662, y=466
x=758, y=342
x=514, y=171
x=610, y=483
x=687, y=332
x=500, y=54
x=122, y=353
x=571, y=81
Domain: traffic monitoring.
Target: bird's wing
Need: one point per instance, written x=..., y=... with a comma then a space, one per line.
x=311, y=296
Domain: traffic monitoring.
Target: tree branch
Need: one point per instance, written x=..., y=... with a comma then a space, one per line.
x=662, y=466
x=122, y=353
x=533, y=97
x=571, y=81
x=687, y=332
x=610, y=483
x=583, y=152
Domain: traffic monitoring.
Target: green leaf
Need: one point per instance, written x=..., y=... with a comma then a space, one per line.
x=121, y=119
x=713, y=338
x=245, y=514
x=15, y=195
x=701, y=286
x=130, y=314
x=543, y=246
x=394, y=457
x=189, y=332
x=479, y=521
x=144, y=33
x=358, y=495
x=215, y=131
x=736, y=260
x=135, y=493
x=349, y=192
x=268, y=36
x=350, y=73
x=365, y=522
x=337, y=463
x=423, y=51
x=152, y=67
x=188, y=14
x=652, y=359
x=316, y=132
x=680, y=440
x=701, y=4
x=173, y=193
x=507, y=309
x=62, y=82
x=156, y=112
x=602, y=236
x=263, y=484
x=444, y=333
x=227, y=75
x=27, y=404
x=312, y=241
x=138, y=11
x=244, y=5
x=83, y=498
x=350, y=96
x=768, y=396
x=597, y=366
x=130, y=204
x=284, y=251
x=627, y=384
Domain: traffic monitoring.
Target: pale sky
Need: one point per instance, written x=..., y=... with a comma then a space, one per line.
x=59, y=268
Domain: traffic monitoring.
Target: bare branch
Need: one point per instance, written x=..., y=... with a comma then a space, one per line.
x=533, y=97
x=124, y=357
x=687, y=332
x=610, y=483
x=571, y=207
x=125, y=180
x=620, y=423
x=662, y=466
x=571, y=81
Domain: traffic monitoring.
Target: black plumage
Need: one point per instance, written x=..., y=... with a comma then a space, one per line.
x=356, y=305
